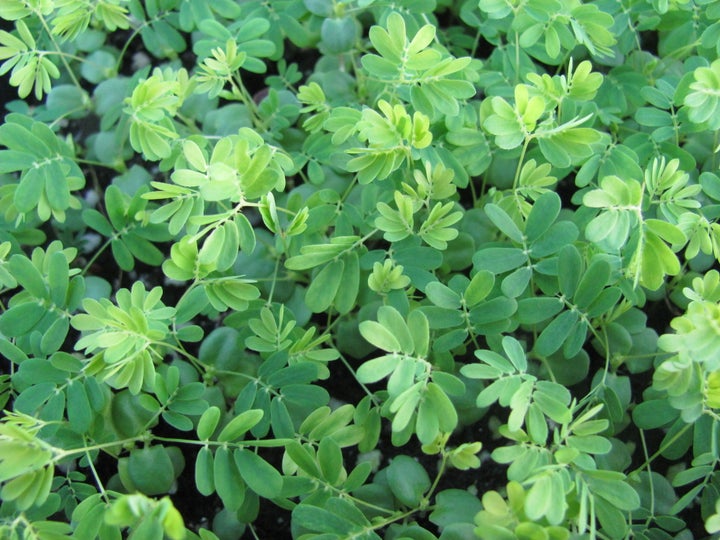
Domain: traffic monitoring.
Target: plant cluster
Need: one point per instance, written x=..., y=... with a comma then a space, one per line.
x=314, y=255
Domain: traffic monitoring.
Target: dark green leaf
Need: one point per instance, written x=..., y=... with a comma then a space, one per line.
x=499, y=260
x=543, y=214
x=21, y=319
x=592, y=282
x=330, y=460
x=78, y=407
x=320, y=520
x=151, y=470
x=654, y=414
x=408, y=480
x=555, y=334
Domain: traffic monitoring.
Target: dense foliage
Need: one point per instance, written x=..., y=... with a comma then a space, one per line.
x=311, y=256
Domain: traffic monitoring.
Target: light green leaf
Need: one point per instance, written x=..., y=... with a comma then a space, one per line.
x=204, y=472
x=239, y=425
x=208, y=422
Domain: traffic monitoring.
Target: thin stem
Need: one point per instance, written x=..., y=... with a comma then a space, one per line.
x=252, y=531
x=244, y=96
x=650, y=478
x=347, y=365
x=129, y=40
x=475, y=43
x=517, y=58
x=528, y=138
x=180, y=350
x=97, y=254
x=98, y=481
x=438, y=476
x=103, y=164
x=64, y=454
x=348, y=189
x=274, y=280
x=239, y=444
x=646, y=463
x=59, y=50
x=473, y=194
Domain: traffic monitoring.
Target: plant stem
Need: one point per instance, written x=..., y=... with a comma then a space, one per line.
x=526, y=142
x=646, y=463
x=58, y=49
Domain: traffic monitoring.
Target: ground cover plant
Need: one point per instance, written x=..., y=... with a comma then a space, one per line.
x=365, y=269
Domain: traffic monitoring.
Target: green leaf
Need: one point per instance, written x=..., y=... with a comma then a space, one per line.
x=703, y=101
x=499, y=260
x=238, y=426
x=303, y=459
x=536, y=424
x=338, y=35
x=419, y=328
x=324, y=287
x=204, y=472
x=258, y=474
x=543, y=214
x=427, y=422
x=151, y=470
x=379, y=336
x=567, y=146
x=392, y=320
x=654, y=413
x=536, y=310
x=569, y=270
x=330, y=460
x=516, y=282
x=21, y=319
x=515, y=353
x=613, y=489
x=504, y=222
x=408, y=480
x=318, y=519
x=208, y=422
x=442, y=295
x=448, y=383
x=479, y=287
x=213, y=246
x=229, y=484
x=58, y=277
x=555, y=334
x=667, y=231
x=347, y=293
x=79, y=411
x=315, y=255
x=443, y=408
x=28, y=275
x=454, y=506
x=592, y=283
